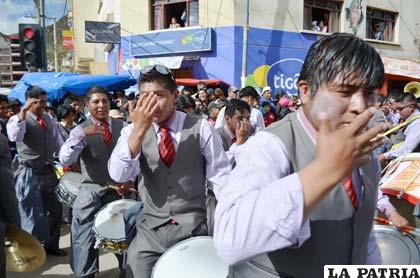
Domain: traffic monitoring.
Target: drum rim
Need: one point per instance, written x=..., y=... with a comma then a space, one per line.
x=407, y=238
x=173, y=247
x=96, y=215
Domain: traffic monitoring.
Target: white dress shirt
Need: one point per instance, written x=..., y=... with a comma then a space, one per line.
x=261, y=207
x=74, y=145
x=412, y=139
x=16, y=129
x=123, y=167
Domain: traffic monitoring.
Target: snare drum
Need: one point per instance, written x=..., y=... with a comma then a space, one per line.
x=69, y=187
x=396, y=248
x=115, y=225
x=191, y=258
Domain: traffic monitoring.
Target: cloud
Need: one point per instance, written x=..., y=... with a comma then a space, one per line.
x=13, y=14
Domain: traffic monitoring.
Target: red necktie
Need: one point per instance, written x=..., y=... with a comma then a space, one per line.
x=351, y=192
x=166, y=146
x=107, y=133
x=41, y=123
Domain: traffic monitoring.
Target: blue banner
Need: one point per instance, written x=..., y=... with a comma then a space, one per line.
x=171, y=41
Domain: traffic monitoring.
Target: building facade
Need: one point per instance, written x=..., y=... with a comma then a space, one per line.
x=207, y=42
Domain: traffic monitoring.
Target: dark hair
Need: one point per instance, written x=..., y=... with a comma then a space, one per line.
x=344, y=56
x=165, y=80
x=265, y=103
x=35, y=92
x=70, y=98
x=185, y=102
x=248, y=91
x=236, y=105
x=3, y=98
x=63, y=111
x=96, y=90
x=407, y=98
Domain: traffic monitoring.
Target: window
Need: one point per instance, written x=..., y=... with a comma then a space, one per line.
x=174, y=14
x=380, y=25
x=322, y=15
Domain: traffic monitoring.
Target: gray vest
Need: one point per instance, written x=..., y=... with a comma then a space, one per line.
x=339, y=234
x=94, y=157
x=226, y=141
x=177, y=192
x=37, y=148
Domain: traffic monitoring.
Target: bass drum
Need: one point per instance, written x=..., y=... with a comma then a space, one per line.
x=396, y=248
x=191, y=258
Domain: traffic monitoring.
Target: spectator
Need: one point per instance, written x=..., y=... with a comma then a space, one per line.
x=267, y=97
x=269, y=116
x=323, y=27
x=378, y=34
x=232, y=93
x=14, y=105
x=174, y=23
x=50, y=109
x=74, y=102
x=186, y=103
x=214, y=110
x=219, y=94
x=65, y=116
x=201, y=85
x=4, y=109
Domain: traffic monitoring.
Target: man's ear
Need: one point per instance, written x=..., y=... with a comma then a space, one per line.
x=304, y=91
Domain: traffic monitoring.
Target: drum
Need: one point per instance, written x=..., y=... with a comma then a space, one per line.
x=401, y=182
x=402, y=178
x=69, y=187
x=115, y=225
x=396, y=248
x=191, y=258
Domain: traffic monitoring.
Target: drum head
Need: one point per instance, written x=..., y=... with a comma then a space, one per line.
x=72, y=182
x=191, y=258
x=396, y=248
x=110, y=220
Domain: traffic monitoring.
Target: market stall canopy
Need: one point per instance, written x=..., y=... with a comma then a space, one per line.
x=405, y=69
x=193, y=82
x=58, y=84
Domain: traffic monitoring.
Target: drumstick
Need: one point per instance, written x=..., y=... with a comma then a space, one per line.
x=132, y=190
x=405, y=229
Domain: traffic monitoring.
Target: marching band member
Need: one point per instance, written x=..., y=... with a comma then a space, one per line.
x=92, y=141
x=173, y=154
x=316, y=207
x=37, y=139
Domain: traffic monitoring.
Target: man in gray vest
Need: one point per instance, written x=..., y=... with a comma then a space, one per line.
x=173, y=154
x=92, y=142
x=303, y=192
x=37, y=139
x=9, y=213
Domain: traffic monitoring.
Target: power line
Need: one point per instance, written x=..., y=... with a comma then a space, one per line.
x=65, y=8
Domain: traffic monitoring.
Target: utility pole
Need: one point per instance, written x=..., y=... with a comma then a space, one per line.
x=55, y=46
x=245, y=42
x=42, y=23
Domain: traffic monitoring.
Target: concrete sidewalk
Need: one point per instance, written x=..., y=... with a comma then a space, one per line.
x=60, y=266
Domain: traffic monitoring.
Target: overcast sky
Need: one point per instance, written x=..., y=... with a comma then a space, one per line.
x=12, y=12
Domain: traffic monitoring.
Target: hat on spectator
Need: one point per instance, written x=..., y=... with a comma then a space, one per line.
x=266, y=88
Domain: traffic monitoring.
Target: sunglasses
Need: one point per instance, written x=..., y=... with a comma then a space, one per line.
x=157, y=68
x=399, y=109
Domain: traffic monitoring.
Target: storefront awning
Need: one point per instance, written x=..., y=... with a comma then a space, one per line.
x=401, y=69
x=193, y=82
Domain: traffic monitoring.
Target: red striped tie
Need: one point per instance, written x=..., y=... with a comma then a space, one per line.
x=42, y=123
x=166, y=146
x=107, y=133
x=351, y=192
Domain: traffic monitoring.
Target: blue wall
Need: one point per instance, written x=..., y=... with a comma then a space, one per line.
x=274, y=57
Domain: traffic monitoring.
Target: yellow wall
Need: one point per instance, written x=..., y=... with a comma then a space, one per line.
x=135, y=16
x=83, y=10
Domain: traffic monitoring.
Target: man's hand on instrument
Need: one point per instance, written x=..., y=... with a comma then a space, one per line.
x=382, y=160
x=342, y=150
x=124, y=189
x=397, y=220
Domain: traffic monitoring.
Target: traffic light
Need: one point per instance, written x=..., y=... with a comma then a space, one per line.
x=31, y=45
